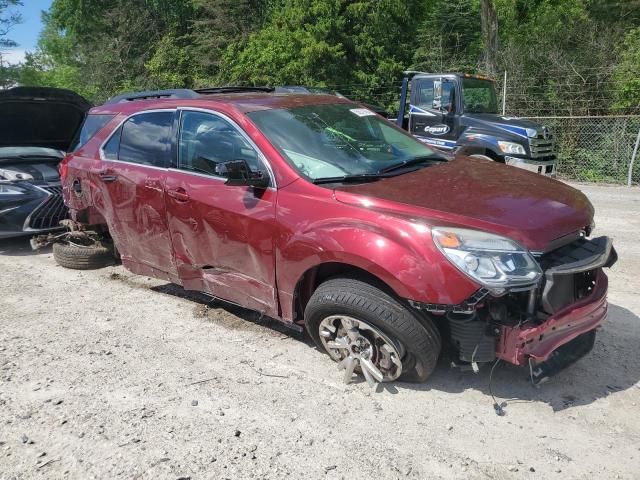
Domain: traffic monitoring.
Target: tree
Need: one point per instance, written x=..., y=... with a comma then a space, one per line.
x=489, y=25
x=562, y=56
x=627, y=74
x=357, y=47
x=8, y=19
x=448, y=38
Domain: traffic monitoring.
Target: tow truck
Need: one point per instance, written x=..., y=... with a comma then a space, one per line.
x=458, y=112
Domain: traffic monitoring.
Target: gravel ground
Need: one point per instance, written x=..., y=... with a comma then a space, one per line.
x=104, y=374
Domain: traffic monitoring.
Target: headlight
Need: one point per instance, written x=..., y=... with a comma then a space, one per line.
x=7, y=174
x=532, y=132
x=493, y=261
x=512, y=148
x=8, y=189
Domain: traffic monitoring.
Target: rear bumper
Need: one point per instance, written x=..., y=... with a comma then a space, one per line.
x=518, y=344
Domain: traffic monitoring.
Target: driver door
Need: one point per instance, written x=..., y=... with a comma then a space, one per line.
x=433, y=112
x=222, y=235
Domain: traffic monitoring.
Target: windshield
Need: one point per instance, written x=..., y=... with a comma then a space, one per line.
x=339, y=140
x=479, y=96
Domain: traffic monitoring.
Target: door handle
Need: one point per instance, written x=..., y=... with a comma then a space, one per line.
x=180, y=194
x=107, y=176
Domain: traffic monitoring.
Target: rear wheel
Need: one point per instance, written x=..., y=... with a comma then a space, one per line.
x=370, y=332
x=82, y=257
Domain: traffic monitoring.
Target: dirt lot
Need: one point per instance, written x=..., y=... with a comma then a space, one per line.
x=104, y=374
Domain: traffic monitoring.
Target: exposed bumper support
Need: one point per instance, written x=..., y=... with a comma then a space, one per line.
x=517, y=344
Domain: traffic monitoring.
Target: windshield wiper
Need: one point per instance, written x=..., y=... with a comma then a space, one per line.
x=409, y=163
x=362, y=177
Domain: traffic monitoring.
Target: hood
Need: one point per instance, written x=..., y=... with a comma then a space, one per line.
x=529, y=208
x=510, y=126
x=40, y=117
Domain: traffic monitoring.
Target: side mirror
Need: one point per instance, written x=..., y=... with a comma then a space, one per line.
x=437, y=95
x=239, y=173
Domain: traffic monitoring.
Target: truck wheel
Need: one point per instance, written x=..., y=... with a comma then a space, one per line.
x=80, y=257
x=370, y=332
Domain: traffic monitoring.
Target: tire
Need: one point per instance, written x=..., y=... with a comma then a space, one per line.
x=82, y=257
x=417, y=334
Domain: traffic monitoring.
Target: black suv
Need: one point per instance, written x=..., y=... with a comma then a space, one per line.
x=37, y=126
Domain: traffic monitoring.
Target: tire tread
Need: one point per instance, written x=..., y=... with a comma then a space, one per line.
x=82, y=258
x=356, y=295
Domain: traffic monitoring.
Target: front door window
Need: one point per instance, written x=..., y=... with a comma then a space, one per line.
x=207, y=141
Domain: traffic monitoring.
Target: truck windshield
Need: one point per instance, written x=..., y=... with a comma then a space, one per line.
x=479, y=96
x=341, y=141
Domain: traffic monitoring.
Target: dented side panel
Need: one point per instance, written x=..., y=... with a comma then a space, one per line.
x=223, y=239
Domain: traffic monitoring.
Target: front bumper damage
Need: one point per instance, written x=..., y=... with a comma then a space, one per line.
x=572, y=304
x=546, y=328
x=529, y=340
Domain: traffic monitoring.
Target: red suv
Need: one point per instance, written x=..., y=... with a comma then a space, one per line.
x=315, y=210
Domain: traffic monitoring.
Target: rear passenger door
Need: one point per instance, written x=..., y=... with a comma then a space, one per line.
x=131, y=181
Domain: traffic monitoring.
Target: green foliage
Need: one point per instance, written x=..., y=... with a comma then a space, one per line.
x=627, y=74
x=566, y=53
x=449, y=37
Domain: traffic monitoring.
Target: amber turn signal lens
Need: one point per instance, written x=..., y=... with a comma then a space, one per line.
x=448, y=240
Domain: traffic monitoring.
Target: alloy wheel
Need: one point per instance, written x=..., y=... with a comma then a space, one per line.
x=360, y=347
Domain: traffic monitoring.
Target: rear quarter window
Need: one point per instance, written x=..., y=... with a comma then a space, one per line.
x=91, y=125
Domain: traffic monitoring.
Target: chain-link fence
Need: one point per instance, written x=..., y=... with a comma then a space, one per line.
x=595, y=149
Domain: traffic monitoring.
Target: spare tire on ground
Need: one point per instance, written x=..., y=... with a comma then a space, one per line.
x=81, y=257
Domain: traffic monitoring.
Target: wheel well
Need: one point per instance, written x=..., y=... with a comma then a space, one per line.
x=482, y=151
x=313, y=277
x=493, y=155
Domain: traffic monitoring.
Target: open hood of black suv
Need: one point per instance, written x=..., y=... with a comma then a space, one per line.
x=40, y=117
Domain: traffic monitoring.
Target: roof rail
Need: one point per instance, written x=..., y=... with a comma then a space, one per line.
x=174, y=93
x=233, y=89
x=183, y=93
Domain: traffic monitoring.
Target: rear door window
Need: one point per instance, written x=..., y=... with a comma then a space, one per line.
x=91, y=125
x=145, y=139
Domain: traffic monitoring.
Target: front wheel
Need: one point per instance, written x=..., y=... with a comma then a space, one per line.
x=370, y=332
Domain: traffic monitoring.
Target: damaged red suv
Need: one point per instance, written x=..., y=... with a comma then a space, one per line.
x=318, y=212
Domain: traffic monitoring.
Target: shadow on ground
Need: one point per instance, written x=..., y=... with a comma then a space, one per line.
x=231, y=315
x=612, y=366
x=20, y=247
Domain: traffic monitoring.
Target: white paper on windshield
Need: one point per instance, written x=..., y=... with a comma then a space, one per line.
x=362, y=112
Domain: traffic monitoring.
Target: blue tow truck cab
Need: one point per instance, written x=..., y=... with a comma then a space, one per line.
x=459, y=113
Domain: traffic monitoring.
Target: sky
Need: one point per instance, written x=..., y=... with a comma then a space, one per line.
x=26, y=34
